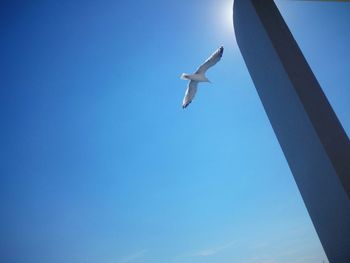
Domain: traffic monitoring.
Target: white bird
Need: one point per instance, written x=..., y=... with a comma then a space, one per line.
x=199, y=76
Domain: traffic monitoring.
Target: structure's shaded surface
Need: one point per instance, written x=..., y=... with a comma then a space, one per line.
x=313, y=141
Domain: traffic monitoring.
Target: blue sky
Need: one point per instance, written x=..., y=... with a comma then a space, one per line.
x=100, y=164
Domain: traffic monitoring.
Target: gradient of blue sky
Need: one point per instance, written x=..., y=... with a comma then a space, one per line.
x=100, y=164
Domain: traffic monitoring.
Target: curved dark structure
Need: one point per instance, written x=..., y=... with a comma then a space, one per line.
x=312, y=139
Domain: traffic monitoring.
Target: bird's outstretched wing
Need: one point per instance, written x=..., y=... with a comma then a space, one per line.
x=211, y=61
x=190, y=93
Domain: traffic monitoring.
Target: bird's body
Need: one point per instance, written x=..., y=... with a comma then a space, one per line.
x=195, y=77
x=199, y=76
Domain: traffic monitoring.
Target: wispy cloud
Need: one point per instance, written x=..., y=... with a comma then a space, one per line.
x=133, y=256
x=213, y=250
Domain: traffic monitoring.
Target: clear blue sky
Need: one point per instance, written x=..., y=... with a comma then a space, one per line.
x=100, y=164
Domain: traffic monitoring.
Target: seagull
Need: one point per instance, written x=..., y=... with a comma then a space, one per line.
x=199, y=76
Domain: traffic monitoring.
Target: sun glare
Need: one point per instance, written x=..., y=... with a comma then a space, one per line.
x=227, y=12
x=224, y=18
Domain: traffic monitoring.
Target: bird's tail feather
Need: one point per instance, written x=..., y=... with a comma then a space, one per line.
x=184, y=76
